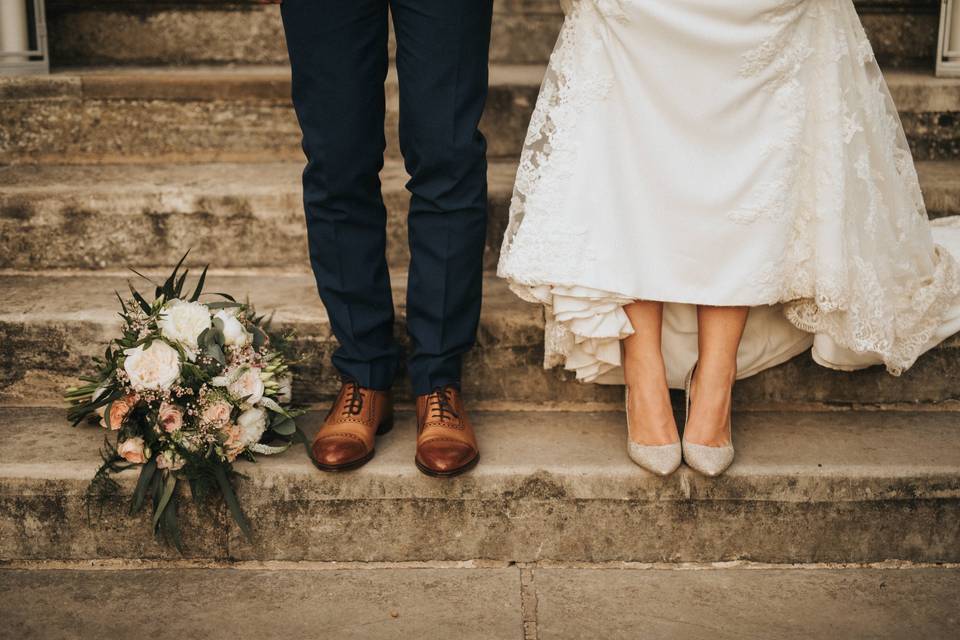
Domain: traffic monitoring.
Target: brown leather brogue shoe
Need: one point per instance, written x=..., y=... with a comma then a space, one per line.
x=446, y=443
x=346, y=439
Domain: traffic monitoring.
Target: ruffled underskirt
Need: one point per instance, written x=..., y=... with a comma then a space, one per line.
x=585, y=326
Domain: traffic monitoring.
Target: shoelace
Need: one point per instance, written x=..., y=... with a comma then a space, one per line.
x=354, y=403
x=440, y=405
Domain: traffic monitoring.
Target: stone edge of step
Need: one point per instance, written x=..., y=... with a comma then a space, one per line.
x=913, y=90
x=516, y=468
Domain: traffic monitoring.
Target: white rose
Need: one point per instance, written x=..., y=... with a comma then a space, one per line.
x=234, y=333
x=183, y=322
x=154, y=368
x=252, y=423
x=285, y=392
x=246, y=385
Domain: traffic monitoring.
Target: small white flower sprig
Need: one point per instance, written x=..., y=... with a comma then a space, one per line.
x=188, y=388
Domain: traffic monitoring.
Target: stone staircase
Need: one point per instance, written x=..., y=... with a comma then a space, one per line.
x=167, y=125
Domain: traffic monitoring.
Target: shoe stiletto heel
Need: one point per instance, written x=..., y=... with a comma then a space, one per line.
x=659, y=459
x=710, y=461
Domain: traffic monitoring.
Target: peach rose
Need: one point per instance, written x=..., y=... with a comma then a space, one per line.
x=119, y=409
x=217, y=412
x=170, y=417
x=232, y=446
x=133, y=450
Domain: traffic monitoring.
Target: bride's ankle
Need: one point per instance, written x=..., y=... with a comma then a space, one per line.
x=641, y=376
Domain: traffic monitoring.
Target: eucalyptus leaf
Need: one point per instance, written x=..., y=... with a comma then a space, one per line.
x=171, y=531
x=169, y=484
x=178, y=288
x=199, y=289
x=230, y=497
x=285, y=427
x=221, y=304
x=168, y=285
x=140, y=493
x=259, y=337
x=143, y=276
x=147, y=309
x=217, y=354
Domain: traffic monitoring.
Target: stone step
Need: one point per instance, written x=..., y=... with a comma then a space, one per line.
x=51, y=323
x=903, y=32
x=557, y=487
x=244, y=115
x=613, y=602
x=241, y=215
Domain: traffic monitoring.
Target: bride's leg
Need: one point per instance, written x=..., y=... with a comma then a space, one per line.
x=651, y=415
x=720, y=331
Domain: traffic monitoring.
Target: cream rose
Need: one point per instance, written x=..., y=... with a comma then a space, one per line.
x=154, y=368
x=217, y=412
x=132, y=450
x=183, y=322
x=252, y=423
x=170, y=460
x=170, y=417
x=234, y=333
x=246, y=385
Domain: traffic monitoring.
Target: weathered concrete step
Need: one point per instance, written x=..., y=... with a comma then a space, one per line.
x=303, y=602
x=552, y=486
x=486, y=603
x=244, y=115
x=142, y=32
x=242, y=215
x=659, y=604
x=903, y=32
x=52, y=323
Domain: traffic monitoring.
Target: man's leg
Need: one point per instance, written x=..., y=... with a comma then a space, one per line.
x=442, y=52
x=338, y=52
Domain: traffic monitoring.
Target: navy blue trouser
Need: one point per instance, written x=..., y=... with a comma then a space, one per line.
x=338, y=52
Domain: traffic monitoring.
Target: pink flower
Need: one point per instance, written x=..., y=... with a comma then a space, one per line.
x=132, y=450
x=217, y=412
x=119, y=409
x=170, y=417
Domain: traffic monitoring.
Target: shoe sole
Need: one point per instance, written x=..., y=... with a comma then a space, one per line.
x=446, y=474
x=359, y=462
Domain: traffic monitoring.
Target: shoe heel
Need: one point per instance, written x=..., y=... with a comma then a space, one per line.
x=385, y=427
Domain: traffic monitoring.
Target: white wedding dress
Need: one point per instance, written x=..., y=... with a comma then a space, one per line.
x=726, y=152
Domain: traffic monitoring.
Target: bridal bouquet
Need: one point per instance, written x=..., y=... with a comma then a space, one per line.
x=189, y=387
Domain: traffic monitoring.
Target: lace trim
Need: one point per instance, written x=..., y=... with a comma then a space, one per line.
x=891, y=294
x=549, y=155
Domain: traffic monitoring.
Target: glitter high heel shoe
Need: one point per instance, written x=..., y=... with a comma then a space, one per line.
x=710, y=461
x=659, y=459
